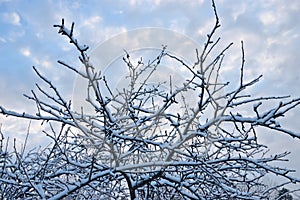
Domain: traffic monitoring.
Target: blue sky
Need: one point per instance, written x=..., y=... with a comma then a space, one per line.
x=269, y=28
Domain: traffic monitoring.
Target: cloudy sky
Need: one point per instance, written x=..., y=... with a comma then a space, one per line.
x=270, y=30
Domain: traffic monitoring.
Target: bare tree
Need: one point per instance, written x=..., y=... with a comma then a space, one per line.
x=146, y=142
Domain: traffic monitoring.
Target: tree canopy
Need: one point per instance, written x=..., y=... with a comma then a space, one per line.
x=144, y=141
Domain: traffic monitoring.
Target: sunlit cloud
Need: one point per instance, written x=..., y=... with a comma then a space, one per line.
x=134, y=2
x=268, y=18
x=12, y=18
x=43, y=63
x=25, y=51
x=91, y=22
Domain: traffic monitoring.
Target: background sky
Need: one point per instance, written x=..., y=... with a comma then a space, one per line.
x=270, y=30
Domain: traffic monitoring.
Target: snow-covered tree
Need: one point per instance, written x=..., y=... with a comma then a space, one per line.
x=283, y=194
x=144, y=141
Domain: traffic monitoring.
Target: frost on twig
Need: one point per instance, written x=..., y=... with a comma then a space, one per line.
x=141, y=142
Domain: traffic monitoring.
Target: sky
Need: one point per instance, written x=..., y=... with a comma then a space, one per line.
x=269, y=29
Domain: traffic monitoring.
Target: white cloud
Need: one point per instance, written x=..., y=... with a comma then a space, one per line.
x=133, y=2
x=238, y=10
x=92, y=21
x=15, y=35
x=157, y=2
x=93, y=35
x=25, y=51
x=45, y=63
x=3, y=1
x=267, y=18
x=3, y=40
x=12, y=18
x=179, y=24
x=206, y=27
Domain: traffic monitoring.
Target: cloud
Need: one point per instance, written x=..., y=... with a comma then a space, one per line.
x=92, y=21
x=268, y=18
x=45, y=63
x=12, y=18
x=25, y=51
x=134, y=2
x=3, y=40
x=4, y=1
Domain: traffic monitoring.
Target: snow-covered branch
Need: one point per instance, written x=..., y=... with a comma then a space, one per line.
x=144, y=141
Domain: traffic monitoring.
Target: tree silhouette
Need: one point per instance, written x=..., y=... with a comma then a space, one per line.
x=144, y=141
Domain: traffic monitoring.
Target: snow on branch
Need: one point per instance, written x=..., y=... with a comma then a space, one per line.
x=144, y=141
